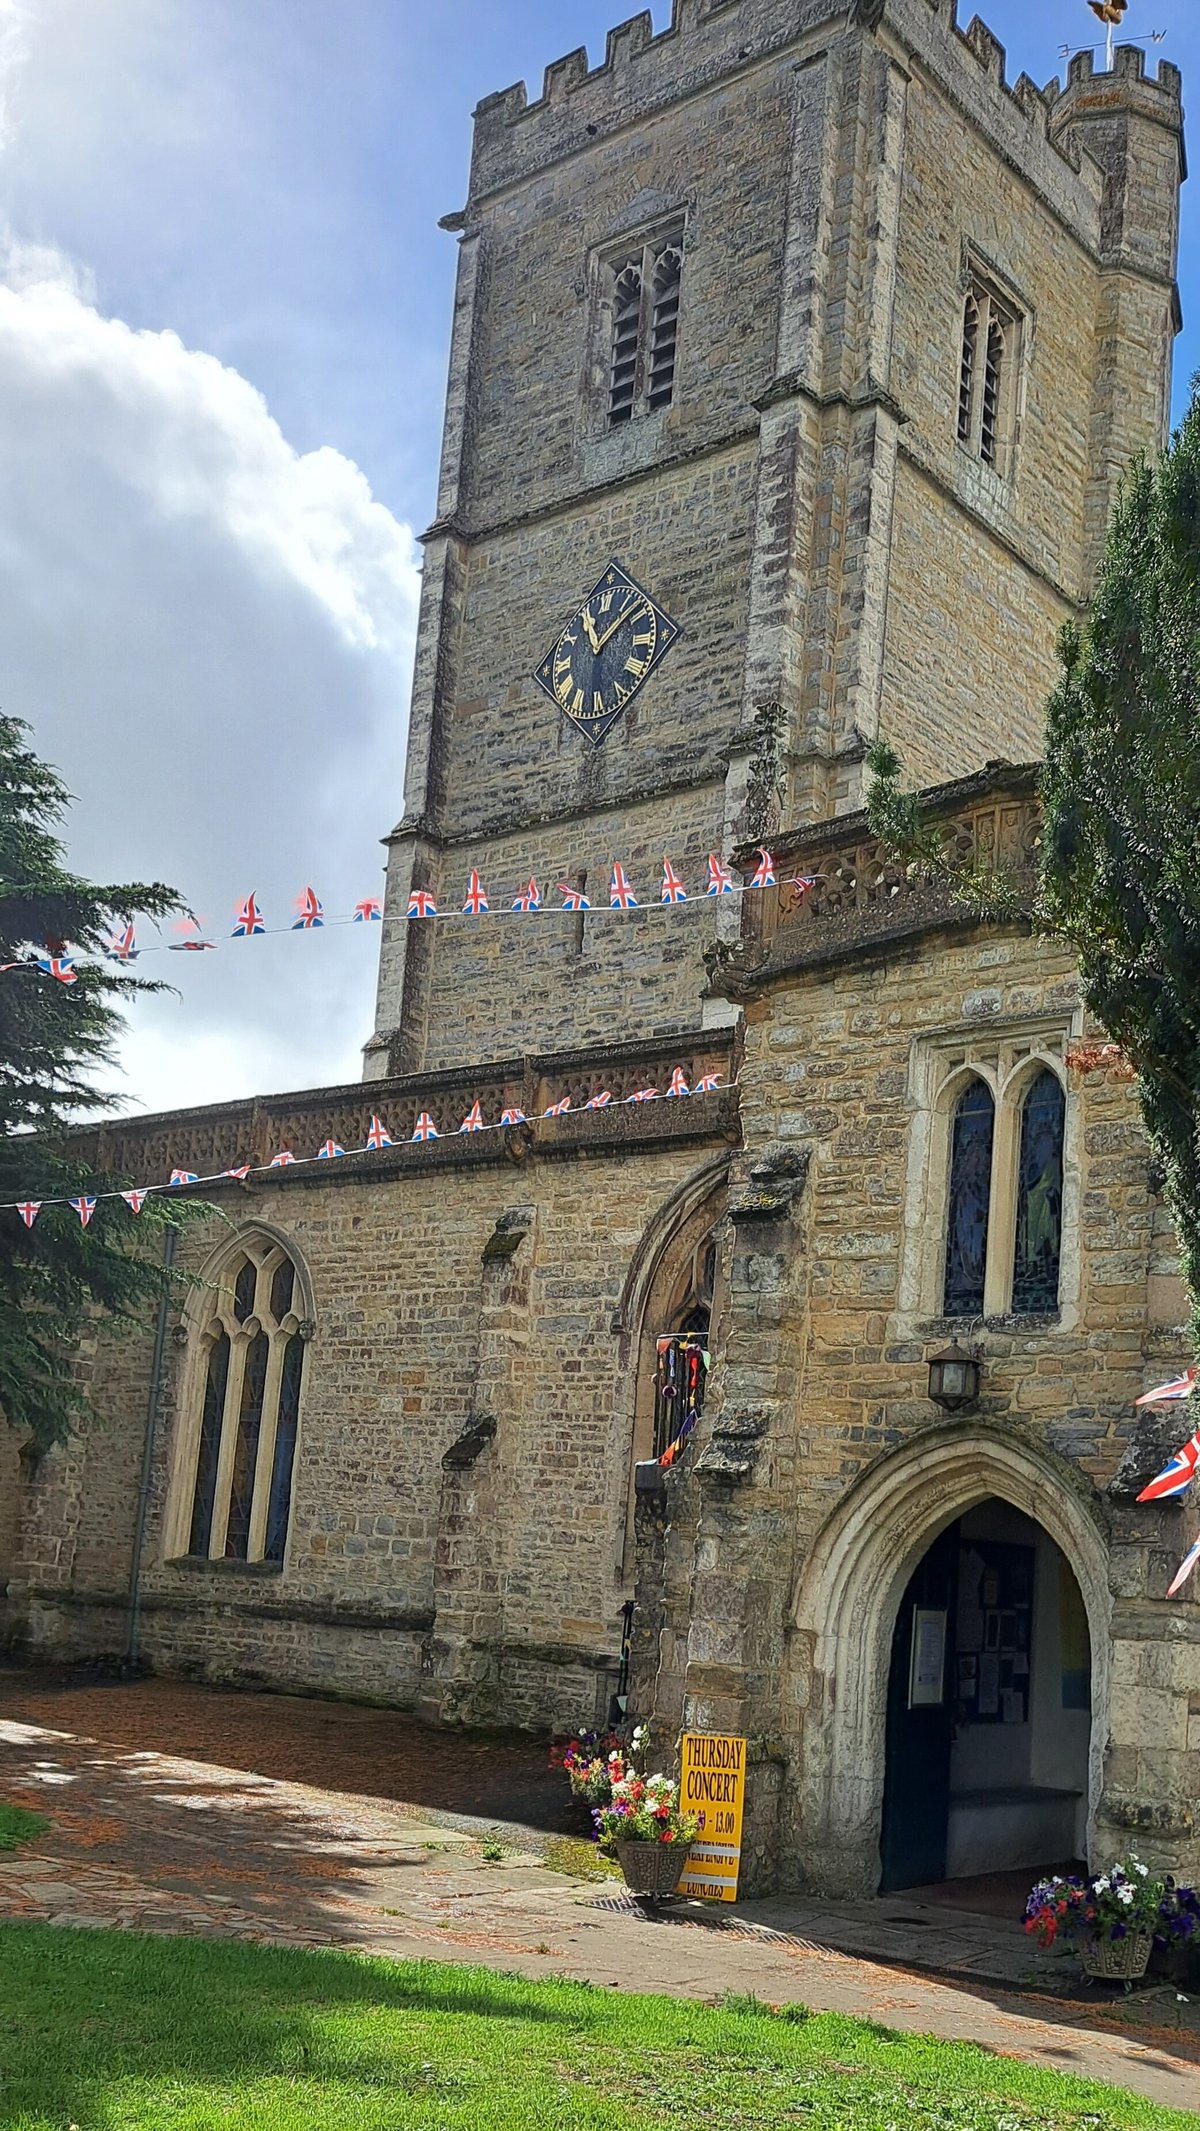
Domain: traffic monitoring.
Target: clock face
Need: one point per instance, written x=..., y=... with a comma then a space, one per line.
x=605, y=653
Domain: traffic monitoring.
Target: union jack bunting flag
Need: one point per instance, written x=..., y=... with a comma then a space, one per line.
x=512, y=1117
x=1180, y=1387
x=673, y=890
x=425, y=1127
x=193, y=942
x=378, y=1136
x=61, y=967
x=135, y=1200
x=476, y=905
x=1184, y=1570
x=706, y=1084
x=679, y=1084
x=644, y=1095
x=241, y=1174
x=184, y=1176
x=764, y=873
x=85, y=1208
x=620, y=894
x=311, y=912
x=558, y=1109
x=119, y=946
x=600, y=1101
x=369, y=911
x=573, y=898
x=1176, y=1475
x=248, y=923
x=421, y=904
x=29, y=1209
x=473, y=1121
x=529, y=898
x=281, y=1160
x=803, y=883
x=330, y=1151
x=720, y=879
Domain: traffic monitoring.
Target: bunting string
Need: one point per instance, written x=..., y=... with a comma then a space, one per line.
x=58, y=962
x=378, y=1137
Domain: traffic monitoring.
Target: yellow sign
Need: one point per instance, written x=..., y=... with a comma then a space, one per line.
x=713, y=1786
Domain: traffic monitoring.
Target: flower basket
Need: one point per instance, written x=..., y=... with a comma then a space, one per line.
x=654, y=1868
x=1117, y=1960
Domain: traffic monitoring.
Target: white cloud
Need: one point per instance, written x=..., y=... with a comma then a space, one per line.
x=210, y=635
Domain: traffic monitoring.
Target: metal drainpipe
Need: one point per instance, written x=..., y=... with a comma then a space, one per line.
x=143, y=1501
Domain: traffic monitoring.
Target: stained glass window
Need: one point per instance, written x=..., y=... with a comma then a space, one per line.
x=969, y=1201
x=216, y=1378
x=285, y=1450
x=1038, y=1255
x=245, y=1444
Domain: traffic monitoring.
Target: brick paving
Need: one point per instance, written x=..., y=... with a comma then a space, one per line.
x=179, y=1809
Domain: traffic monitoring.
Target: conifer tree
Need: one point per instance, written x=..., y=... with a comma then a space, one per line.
x=1120, y=875
x=56, y=1042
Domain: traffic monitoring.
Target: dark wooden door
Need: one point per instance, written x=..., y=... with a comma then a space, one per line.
x=916, y=1793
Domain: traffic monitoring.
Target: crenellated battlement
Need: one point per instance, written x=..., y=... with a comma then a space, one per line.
x=707, y=41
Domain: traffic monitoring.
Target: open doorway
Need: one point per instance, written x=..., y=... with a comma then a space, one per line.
x=988, y=1708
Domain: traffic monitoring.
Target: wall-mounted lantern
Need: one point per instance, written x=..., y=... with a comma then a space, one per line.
x=954, y=1378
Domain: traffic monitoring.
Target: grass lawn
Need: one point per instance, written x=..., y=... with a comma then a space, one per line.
x=108, y=2031
x=18, y=1826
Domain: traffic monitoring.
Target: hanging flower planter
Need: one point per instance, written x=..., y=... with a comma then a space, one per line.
x=653, y=1868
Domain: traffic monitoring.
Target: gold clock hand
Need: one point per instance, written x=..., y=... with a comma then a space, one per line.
x=628, y=613
x=589, y=629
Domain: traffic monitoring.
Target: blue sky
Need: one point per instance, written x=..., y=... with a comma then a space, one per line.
x=223, y=324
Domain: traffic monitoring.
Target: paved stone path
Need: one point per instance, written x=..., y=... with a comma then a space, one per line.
x=148, y=1840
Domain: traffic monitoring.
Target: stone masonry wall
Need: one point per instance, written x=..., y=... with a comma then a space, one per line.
x=833, y=1257
x=380, y=1591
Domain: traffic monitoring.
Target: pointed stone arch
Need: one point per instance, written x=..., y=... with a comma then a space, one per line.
x=845, y=1609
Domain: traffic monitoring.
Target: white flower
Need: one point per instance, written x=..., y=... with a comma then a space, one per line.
x=1143, y=1869
x=1125, y=1894
x=1103, y=1884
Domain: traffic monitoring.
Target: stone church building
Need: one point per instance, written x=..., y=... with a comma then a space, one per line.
x=796, y=356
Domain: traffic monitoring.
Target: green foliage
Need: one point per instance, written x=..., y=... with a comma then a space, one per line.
x=108, y=2029
x=1122, y=790
x=18, y=1826
x=55, y=1043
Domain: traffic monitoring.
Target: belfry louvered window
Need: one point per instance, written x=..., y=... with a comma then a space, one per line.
x=988, y=377
x=645, y=289
x=252, y=1364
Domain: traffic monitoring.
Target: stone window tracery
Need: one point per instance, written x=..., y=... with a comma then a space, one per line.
x=995, y=1189
x=242, y=1456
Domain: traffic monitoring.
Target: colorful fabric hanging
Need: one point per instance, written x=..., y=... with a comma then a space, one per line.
x=620, y=894
x=330, y=1151
x=599, y=1101
x=1180, y=1387
x=310, y=912
x=378, y=1136
x=283, y=1159
x=369, y=911
x=241, y=1174
x=473, y=1121
x=476, y=905
x=29, y=1209
x=135, y=1200
x=529, y=898
x=421, y=904
x=1184, y=1570
x=183, y=1176
x=513, y=1117
x=249, y=923
x=679, y=1084
x=425, y=1127
x=720, y=879
x=573, y=898
x=673, y=890
x=120, y=945
x=85, y=1208
x=1176, y=1475
x=558, y=1109
x=60, y=967
x=764, y=877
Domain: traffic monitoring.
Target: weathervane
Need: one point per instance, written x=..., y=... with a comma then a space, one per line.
x=1112, y=14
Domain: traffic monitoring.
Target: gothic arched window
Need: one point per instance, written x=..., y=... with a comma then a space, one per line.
x=252, y=1351
x=969, y=1200
x=643, y=288
x=1037, y=1257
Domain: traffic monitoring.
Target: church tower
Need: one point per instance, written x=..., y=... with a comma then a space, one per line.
x=795, y=357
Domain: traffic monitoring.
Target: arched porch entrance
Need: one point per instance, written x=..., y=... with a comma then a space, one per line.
x=989, y=1707
x=894, y=1551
